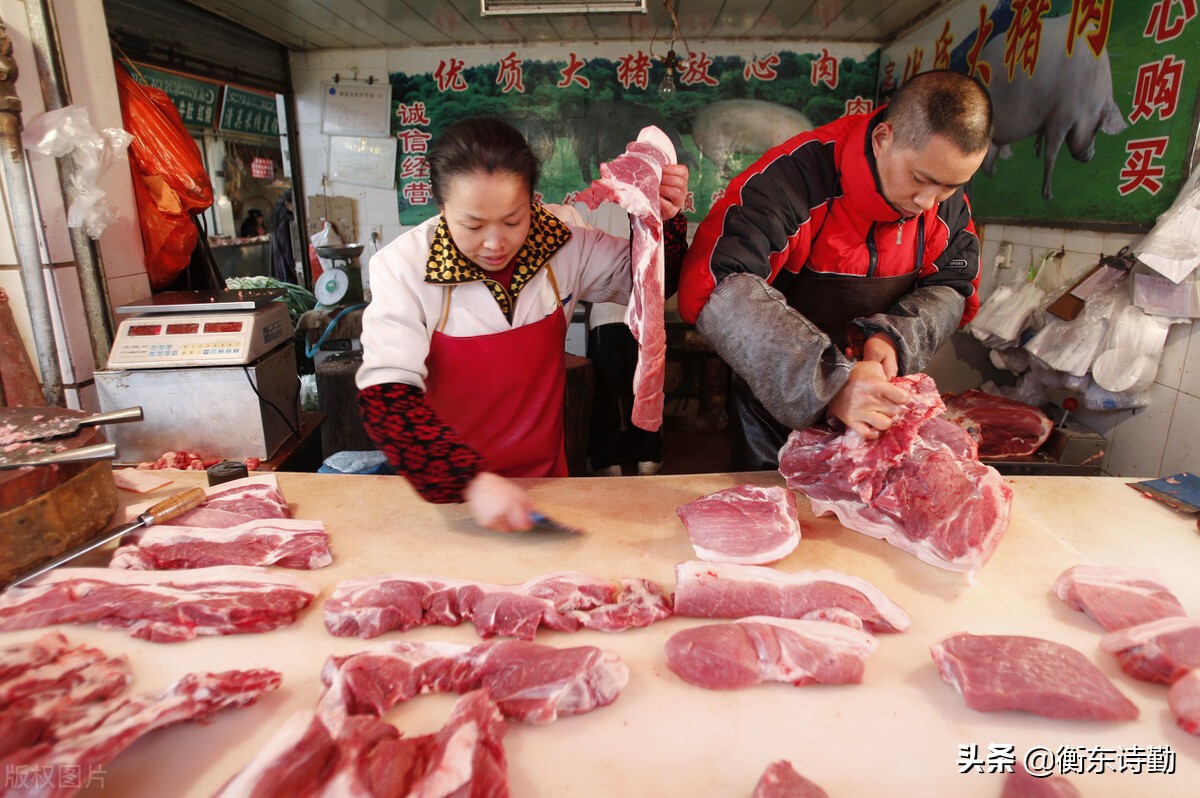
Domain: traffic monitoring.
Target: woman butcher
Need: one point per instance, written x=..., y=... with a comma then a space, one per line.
x=463, y=372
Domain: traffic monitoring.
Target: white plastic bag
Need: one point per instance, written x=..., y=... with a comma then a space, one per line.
x=327, y=236
x=1072, y=346
x=67, y=131
x=1172, y=248
x=1006, y=314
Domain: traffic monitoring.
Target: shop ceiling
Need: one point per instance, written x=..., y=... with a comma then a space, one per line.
x=304, y=25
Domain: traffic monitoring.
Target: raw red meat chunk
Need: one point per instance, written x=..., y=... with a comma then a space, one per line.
x=1184, y=700
x=1115, y=596
x=746, y=525
x=1000, y=672
x=727, y=656
x=1158, y=651
x=780, y=780
x=1002, y=428
x=919, y=485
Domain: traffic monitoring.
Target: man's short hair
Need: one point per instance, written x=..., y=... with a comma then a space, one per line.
x=943, y=103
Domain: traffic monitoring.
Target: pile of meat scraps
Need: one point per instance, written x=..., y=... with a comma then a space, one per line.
x=919, y=485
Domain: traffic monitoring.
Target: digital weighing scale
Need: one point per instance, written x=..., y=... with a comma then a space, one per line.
x=200, y=328
x=214, y=371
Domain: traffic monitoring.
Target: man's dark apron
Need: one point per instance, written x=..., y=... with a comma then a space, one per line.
x=831, y=302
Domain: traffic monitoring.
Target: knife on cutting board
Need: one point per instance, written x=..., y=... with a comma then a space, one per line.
x=165, y=510
x=543, y=523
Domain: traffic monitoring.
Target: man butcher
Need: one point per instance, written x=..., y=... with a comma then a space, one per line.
x=841, y=258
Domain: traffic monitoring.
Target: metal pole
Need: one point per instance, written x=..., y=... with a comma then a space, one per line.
x=56, y=94
x=24, y=221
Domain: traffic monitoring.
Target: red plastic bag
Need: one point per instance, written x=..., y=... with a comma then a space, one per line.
x=169, y=180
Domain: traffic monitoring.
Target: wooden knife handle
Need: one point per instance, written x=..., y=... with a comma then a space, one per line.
x=178, y=504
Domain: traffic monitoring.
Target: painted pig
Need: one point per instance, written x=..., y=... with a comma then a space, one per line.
x=1066, y=99
x=728, y=127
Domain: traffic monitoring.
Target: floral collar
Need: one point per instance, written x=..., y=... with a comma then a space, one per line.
x=448, y=266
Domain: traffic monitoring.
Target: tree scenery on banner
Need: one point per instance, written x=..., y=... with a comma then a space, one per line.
x=578, y=112
x=1094, y=108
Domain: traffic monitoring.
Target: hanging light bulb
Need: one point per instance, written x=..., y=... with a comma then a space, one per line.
x=671, y=61
x=666, y=86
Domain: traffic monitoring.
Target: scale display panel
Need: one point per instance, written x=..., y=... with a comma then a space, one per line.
x=209, y=338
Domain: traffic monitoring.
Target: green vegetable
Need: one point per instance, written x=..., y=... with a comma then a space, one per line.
x=297, y=298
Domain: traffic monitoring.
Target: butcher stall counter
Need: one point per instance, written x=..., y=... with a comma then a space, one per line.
x=902, y=732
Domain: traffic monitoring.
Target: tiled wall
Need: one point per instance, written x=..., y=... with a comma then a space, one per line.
x=1153, y=441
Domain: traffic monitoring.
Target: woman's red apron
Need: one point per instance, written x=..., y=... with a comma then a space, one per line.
x=503, y=394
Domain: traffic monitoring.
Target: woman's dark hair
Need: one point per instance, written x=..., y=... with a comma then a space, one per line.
x=480, y=144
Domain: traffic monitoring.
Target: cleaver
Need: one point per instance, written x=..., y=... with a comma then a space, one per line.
x=165, y=510
x=59, y=426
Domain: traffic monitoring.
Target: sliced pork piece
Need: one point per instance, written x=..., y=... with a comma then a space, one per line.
x=632, y=181
x=780, y=780
x=1159, y=651
x=746, y=525
x=88, y=737
x=720, y=590
x=1002, y=428
x=919, y=485
x=1020, y=783
x=1000, y=672
x=465, y=759
x=1115, y=596
x=20, y=657
x=160, y=606
x=565, y=601
x=728, y=656
x=285, y=542
x=529, y=682
x=1184, y=700
x=231, y=503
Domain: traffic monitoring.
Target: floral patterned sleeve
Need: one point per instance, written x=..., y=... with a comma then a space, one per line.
x=417, y=443
x=675, y=246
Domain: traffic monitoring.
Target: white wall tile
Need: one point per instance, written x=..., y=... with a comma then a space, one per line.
x=1183, y=443
x=1084, y=241
x=1139, y=442
x=1174, y=355
x=1189, y=381
x=71, y=319
x=1046, y=238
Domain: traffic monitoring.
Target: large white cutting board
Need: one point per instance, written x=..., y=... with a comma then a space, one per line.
x=898, y=733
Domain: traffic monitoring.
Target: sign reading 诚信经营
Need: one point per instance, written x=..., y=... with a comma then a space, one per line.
x=249, y=112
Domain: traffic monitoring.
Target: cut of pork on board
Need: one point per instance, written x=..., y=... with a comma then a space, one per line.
x=1002, y=428
x=721, y=590
x=749, y=651
x=529, y=682
x=632, y=180
x=1184, y=700
x=231, y=503
x=919, y=485
x=745, y=525
x=369, y=757
x=283, y=542
x=1001, y=672
x=780, y=780
x=160, y=606
x=565, y=601
x=1159, y=651
x=1116, y=596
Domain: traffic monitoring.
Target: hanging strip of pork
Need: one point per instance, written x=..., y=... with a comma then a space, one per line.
x=160, y=606
x=728, y=656
x=721, y=590
x=745, y=525
x=632, y=180
x=919, y=485
x=284, y=542
x=1000, y=672
x=1117, y=596
x=565, y=601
